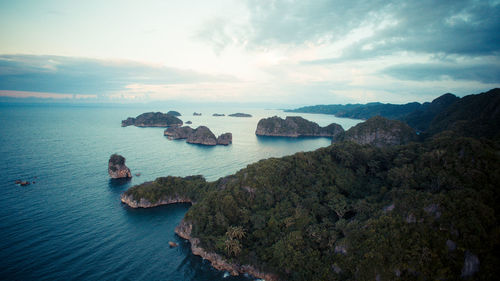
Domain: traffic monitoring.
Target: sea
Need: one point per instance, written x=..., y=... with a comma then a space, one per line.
x=69, y=223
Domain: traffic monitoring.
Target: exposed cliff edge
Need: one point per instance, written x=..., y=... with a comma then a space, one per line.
x=379, y=131
x=144, y=203
x=184, y=230
x=153, y=119
x=117, y=168
x=295, y=126
x=201, y=135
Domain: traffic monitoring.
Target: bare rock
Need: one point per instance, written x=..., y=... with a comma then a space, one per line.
x=175, y=133
x=117, y=168
x=225, y=139
x=202, y=135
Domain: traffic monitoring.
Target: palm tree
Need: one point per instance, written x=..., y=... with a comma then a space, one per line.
x=235, y=232
x=233, y=246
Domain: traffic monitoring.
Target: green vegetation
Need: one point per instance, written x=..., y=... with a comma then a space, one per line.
x=360, y=212
x=192, y=187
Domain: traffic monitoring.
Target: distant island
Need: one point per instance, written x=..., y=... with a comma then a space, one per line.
x=218, y=115
x=152, y=119
x=418, y=116
x=174, y=113
x=371, y=206
x=196, y=114
x=201, y=135
x=240, y=115
x=295, y=126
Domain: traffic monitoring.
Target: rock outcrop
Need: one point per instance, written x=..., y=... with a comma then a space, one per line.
x=225, y=139
x=152, y=119
x=201, y=135
x=117, y=168
x=380, y=131
x=184, y=230
x=175, y=133
x=295, y=126
x=143, y=203
x=240, y=115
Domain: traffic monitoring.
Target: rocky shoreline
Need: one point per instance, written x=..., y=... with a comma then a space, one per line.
x=143, y=203
x=184, y=230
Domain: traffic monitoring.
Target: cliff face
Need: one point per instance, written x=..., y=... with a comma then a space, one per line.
x=201, y=135
x=175, y=133
x=184, y=230
x=143, y=203
x=225, y=139
x=117, y=168
x=295, y=127
x=153, y=119
x=380, y=131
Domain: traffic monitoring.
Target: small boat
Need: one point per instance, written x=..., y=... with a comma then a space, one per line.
x=25, y=183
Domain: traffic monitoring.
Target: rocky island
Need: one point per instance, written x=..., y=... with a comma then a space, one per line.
x=295, y=126
x=152, y=119
x=379, y=131
x=117, y=168
x=240, y=115
x=201, y=135
x=196, y=114
x=218, y=115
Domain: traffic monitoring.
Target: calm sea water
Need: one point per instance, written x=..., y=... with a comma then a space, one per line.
x=70, y=224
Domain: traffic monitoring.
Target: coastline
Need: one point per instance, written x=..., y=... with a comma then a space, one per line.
x=184, y=230
x=143, y=203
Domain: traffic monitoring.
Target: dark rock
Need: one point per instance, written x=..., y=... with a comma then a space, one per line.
x=202, y=135
x=196, y=114
x=189, y=122
x=225, y=139
x=218, y=115
x=295, y=126
x=471, y=265
x=174, y=113
x=175, y=133
x=380, y=131
x=117, y=168
x=240, y=115
x=153, y=119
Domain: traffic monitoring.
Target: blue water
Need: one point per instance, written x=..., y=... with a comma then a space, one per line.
x=70, y=224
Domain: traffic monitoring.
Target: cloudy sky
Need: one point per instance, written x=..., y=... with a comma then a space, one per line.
x=278, y=52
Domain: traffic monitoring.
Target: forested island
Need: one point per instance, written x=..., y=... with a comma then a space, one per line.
x=201, y=135
x=425, y=208
x=295, y=126
x=153, y=119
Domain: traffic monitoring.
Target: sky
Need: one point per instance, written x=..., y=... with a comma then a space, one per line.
x=279, y=52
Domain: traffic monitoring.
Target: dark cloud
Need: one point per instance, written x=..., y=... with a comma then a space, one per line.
x=486, y=73
x=58, y=74
x=463, y=27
